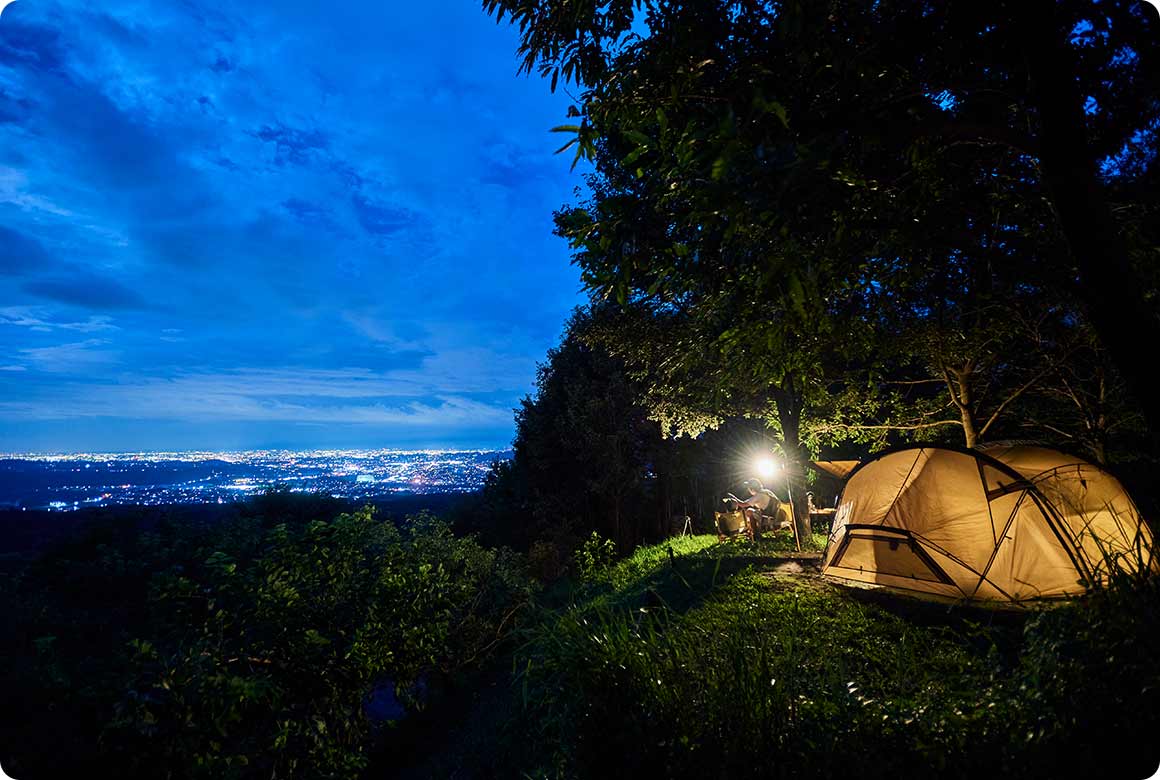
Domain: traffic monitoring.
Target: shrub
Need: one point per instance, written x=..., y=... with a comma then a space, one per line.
x=255, y=660
x=545, y=561
x=594, y=558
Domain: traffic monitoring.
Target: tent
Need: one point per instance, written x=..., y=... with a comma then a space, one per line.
x=1011, y=524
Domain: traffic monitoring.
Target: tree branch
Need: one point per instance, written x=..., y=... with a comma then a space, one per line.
x=995, y=416
x=914, y=427
x=951, y=388
x=911, y=382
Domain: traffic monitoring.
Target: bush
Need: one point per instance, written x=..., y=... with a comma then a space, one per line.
x=545, y=561
x=255, y=660
x=594, y=558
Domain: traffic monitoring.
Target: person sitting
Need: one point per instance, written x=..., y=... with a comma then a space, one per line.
x=755, y=506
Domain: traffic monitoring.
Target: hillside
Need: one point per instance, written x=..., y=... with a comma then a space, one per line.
x=738, y=660
x=353, y=646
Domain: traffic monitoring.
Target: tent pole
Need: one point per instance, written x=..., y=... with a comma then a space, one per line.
x=792, y=513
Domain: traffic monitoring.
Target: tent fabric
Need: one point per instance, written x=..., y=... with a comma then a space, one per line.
x=836, y=468
x=1014, y=524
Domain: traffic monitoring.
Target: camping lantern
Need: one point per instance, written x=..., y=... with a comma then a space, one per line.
x=766, y=468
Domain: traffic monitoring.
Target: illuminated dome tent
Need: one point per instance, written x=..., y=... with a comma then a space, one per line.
x=1009, y=524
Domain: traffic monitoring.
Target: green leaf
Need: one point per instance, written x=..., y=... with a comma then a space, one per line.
x=315, y=638
x=634, y=155
x=637, y=137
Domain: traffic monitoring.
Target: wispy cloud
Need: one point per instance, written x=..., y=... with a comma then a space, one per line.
x=258, y=396
x=38, y=319
x=71, y=357
x=86, y=290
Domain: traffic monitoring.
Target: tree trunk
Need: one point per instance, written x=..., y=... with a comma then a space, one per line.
x=967, y=413
x=789, y=409
x=1100, y=422
x=959, y=386
x=1111, y=289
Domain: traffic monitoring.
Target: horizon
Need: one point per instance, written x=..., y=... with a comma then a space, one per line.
x=330, y=451
x=241, y=228
x=67, y=482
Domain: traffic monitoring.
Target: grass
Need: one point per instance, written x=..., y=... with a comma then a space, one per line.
x=698, y=663
x=667, y=566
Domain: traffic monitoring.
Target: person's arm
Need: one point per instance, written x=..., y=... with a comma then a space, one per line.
x=760, y=501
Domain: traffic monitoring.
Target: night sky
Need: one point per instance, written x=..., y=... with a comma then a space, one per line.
x=287, y=224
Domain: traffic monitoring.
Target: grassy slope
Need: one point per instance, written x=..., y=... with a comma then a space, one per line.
x=712, y=661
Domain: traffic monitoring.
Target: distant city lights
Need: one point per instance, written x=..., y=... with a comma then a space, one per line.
x=65, y=482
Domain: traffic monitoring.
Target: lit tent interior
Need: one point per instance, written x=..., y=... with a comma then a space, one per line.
x=1012, y=524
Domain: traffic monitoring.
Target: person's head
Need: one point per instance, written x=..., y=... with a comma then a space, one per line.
x=754, y=486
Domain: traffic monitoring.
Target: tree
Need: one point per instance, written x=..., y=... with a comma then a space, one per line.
x=745, y=124
x=582, y=453
x=964, y=292
x=1082, y=402
x=734, y=354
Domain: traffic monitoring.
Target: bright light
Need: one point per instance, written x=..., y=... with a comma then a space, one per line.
x=766, y=468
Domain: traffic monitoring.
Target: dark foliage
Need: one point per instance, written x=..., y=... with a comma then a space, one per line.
x=243, y=648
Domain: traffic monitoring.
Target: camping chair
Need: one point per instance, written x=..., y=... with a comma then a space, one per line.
x=785, y=509
x=780, y=514
x=730, y=524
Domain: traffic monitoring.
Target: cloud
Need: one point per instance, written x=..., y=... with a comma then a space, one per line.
x=20, y=253
x=69, y=358
x=293, y=145
x=14, y=192
x=30, y=46
x=13, y=109
x=36, y=318
x=394, y=331
x=86, y=290
x=381, y=219
x=309, y=214
x=253, y=396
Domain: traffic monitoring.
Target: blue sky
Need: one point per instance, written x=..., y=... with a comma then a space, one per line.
x=272, y=225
